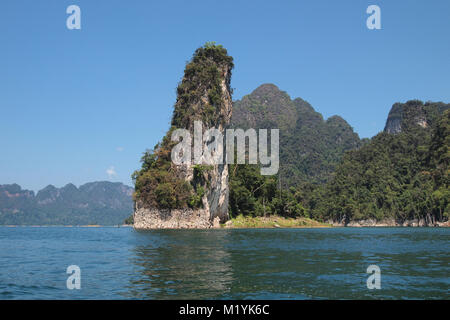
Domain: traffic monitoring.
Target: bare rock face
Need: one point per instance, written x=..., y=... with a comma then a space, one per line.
x=404, y=116
x=203, y=95
x=215, y=178
x=393, y=126
x=215, y=201
x=154, y=218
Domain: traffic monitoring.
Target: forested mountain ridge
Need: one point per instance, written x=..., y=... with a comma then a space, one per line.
x=104, y=203
x=400, y=177
x=397, y=178
x=310, y=147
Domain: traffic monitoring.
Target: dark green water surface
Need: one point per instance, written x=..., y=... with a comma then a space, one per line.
x=121, y=263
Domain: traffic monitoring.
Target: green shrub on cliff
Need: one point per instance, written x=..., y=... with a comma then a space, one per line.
x=202, y=74
x=156, y=185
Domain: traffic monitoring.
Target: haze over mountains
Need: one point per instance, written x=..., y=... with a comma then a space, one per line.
x=104, y=203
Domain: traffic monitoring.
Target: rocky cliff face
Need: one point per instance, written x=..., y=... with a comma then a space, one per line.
x=404, y=116
x=189, y=195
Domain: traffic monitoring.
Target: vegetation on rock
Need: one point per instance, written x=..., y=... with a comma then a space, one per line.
x=158, y=183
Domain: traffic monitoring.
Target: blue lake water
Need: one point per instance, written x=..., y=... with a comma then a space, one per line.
x=121, y=263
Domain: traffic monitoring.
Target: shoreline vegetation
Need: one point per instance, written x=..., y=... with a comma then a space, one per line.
x=272, y=221
x=276, y=221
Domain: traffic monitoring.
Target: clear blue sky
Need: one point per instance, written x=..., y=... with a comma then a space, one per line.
x=75, y=103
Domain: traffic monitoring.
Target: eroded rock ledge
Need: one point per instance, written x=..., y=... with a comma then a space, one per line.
x=153, y=218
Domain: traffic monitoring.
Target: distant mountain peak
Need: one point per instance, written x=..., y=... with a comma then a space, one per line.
x=49, y=187
x=70, y=187
x=335, y=119
x=266, y=107
x=266, y=88
x=310, y=147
